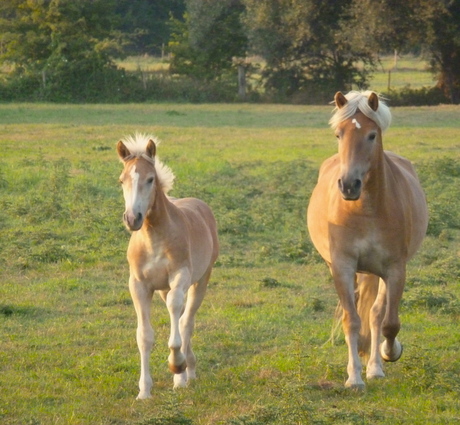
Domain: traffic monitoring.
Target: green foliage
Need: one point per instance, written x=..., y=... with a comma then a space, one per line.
x=304, y=48
x=204, y=45
x=146, y=24
x=408, y=96
x=60, y=50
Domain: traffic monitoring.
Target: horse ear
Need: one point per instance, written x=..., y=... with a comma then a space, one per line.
x=151, y=149
x=122, y=151
x=340, y=100
x=373, y=101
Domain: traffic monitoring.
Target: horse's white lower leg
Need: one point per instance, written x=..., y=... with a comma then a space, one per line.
x=145, y=342
x=354, y=367
x=175, y=303
x=144, y=335
x=374, y=366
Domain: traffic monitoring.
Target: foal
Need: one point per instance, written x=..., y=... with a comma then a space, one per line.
x=172, y=250
x=367, y=217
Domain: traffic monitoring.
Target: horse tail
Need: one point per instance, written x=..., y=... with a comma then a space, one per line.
x=367, y=287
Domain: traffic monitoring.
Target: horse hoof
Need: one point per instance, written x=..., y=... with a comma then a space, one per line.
x=355, y=386
x=143, y=396
x=178, y=368
x=388, y=357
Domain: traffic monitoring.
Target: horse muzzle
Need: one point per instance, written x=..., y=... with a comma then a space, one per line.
x=133, y=221
x=350, y=189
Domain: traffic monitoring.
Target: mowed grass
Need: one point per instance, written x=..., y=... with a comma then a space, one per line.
x=67, y=325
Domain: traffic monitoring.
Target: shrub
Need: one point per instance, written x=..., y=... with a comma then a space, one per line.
x=407, y=96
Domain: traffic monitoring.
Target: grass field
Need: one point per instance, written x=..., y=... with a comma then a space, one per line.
x=67, y=326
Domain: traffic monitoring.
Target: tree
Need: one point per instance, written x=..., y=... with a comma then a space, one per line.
x=68, y=45
x=443, y=47
x=147, y=23
x=205, y=44
x=432, y=25
x=304, y=47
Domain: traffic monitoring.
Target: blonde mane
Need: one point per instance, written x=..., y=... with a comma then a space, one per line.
x=137, y=147
x=360, y=101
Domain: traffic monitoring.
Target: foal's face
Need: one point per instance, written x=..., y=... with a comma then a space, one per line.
x=138, y=182
x=359, y=139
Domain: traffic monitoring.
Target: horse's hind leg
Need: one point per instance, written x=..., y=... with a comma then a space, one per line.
x=142, y=298
x=195, y=297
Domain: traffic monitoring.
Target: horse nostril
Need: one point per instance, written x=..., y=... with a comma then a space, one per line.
x=340, y=183
x=357, y=185
x=139, y=217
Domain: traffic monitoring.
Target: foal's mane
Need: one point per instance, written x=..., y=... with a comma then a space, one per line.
x=137, y=145
x=360, y=101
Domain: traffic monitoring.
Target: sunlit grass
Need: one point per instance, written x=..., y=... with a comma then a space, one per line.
x=67, y=324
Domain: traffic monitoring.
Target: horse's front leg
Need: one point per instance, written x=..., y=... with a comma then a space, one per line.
x=175, y=301
x=391, y=349
x=142, y=298
x=344, y=279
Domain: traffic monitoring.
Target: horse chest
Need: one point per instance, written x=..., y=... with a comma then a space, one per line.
x=150, y=264
x=371, y=252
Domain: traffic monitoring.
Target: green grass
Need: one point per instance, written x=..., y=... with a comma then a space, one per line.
x=67, y=325
x=408, y=71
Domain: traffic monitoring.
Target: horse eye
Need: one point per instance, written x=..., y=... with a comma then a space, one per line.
x=150, y=180
x=372, y=137
x=120, y=181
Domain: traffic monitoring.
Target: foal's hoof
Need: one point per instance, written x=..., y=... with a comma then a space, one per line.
x=143, y=396
x=178, y=368
x=356, y=387
x=395, y=355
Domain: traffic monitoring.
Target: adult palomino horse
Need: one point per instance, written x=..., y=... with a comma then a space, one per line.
x=172, y=250
x=367, y=217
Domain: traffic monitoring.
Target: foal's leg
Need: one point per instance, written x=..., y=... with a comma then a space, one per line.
x=344, y=280
x=391, y=348
x=195, y=297
x=175, y=299
x=142, y=298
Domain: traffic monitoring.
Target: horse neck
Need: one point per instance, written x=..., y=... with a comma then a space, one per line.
x=158, y=214
x=375, y=184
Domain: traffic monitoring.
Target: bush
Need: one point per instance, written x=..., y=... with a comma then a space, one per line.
x=426, y=96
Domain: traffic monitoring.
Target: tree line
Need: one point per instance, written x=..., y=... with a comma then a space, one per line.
x=66, y=50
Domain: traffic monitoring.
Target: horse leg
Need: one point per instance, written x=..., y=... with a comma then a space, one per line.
x=391, y=349
x=175, y=300
x=374, y=366
x=195, y=297
x=142, y=298
x=344, y=280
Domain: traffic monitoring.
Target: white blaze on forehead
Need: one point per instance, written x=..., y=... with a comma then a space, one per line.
x=134, y=183
x=356, y=123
